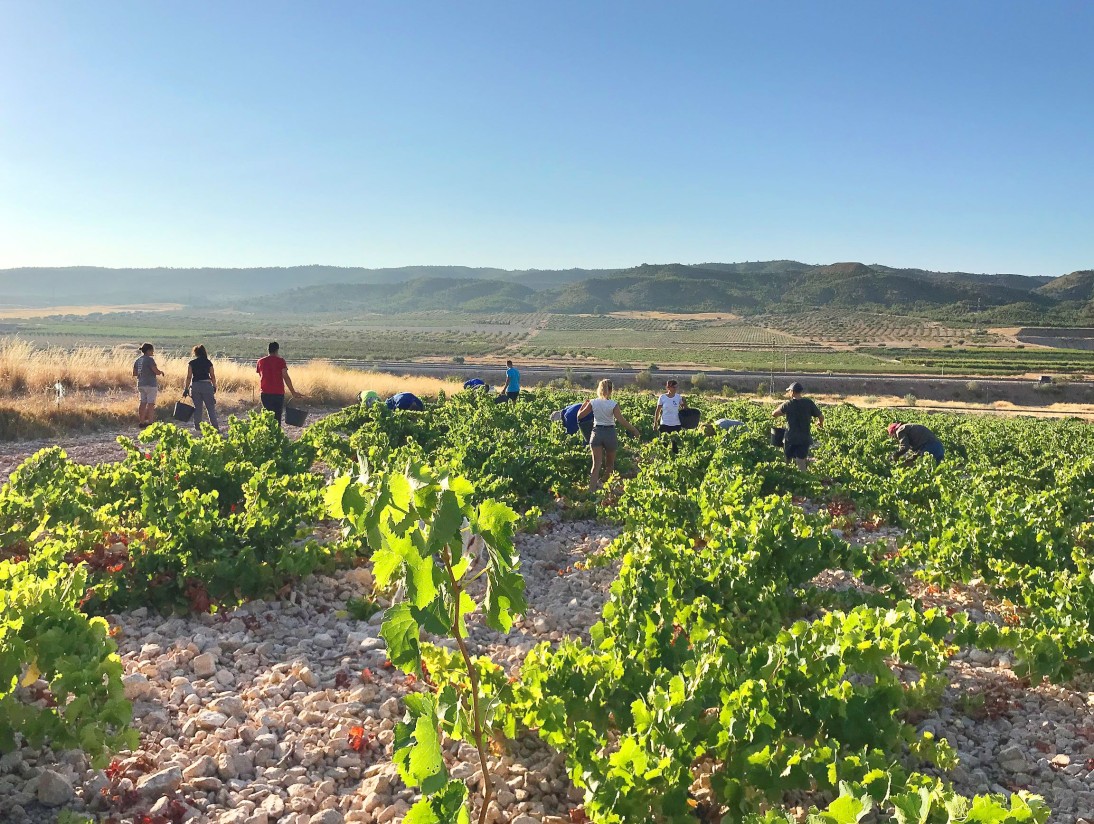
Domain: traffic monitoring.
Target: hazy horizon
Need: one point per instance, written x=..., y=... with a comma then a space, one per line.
x=511, y=269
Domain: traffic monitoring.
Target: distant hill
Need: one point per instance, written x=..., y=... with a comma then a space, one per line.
x=1075, y=286
x=86, y=285
x=422, y=294
x=790, y=286
x=744, y=288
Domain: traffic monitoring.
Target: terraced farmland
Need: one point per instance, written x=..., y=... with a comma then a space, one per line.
x=868, y=327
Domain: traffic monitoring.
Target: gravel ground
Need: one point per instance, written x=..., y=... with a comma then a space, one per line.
x=247, y=717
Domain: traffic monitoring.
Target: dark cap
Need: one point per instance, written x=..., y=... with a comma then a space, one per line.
x=795, y=387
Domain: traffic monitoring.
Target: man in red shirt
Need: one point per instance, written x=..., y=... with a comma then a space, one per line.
x=274, y=374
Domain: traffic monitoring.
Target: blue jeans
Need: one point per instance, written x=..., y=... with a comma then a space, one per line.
x=935, y=450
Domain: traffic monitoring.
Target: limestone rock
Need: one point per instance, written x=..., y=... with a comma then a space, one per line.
x=160, y=783
x=54, y=789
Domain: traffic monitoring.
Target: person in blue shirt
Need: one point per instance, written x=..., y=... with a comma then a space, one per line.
x=511, y=390
x=571, y=423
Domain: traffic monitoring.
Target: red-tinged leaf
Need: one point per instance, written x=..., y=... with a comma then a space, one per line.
x=357, y=738
x=366, y=675
x=578, y=816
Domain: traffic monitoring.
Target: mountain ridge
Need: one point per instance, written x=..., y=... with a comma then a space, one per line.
x=744, y=287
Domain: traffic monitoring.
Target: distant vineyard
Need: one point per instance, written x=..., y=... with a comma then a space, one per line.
x=445, y=320
x=782, y=359
x=708, y=334
x=297, y=342
x=582, y=323
x=993, y=361
x=853, y=327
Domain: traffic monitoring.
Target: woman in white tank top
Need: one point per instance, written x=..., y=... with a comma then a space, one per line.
x=604, y=442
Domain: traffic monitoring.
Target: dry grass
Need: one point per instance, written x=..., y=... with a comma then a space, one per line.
x=1056, y=410
x=24, y=312
x=99, y=394
x=27, y=371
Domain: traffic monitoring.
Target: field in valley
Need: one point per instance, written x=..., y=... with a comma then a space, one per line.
x=820, y=341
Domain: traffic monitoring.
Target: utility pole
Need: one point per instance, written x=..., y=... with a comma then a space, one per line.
x=772, y=365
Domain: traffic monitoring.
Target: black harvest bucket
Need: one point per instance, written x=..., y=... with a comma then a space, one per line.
x=294, y=416
x=777, y=435
x=183, y=411
x=689, y=418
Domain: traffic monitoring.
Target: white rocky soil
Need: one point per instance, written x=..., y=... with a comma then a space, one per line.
x=247, y=716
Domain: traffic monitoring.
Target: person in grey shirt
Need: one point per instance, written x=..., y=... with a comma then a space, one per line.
x=146, y=373
x=799, y=413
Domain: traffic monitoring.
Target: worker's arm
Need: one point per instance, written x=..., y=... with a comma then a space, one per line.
x=189, y=379
x=683, y=402
x=585, y=409
x=620, y=419
x=156, y=369
x=288, y=382
x=213, y=378
x=657, y=415
x=779, y=411
x=905, y=446
x=820, y=420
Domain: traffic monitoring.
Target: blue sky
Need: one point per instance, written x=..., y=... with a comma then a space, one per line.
x=945, y=135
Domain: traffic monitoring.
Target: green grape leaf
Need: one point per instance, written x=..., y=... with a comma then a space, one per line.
x=986, y=810
x=446, y=806
x=494, y=522
x=847, y=809
x=912, y=808
x=400, y=632
x=416, y=748
x=446, y=522
x=334, y=494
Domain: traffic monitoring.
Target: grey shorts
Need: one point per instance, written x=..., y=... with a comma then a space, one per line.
x=604, y=436
x=148, y=393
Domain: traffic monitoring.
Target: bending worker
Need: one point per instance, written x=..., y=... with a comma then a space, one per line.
x=915, y=439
